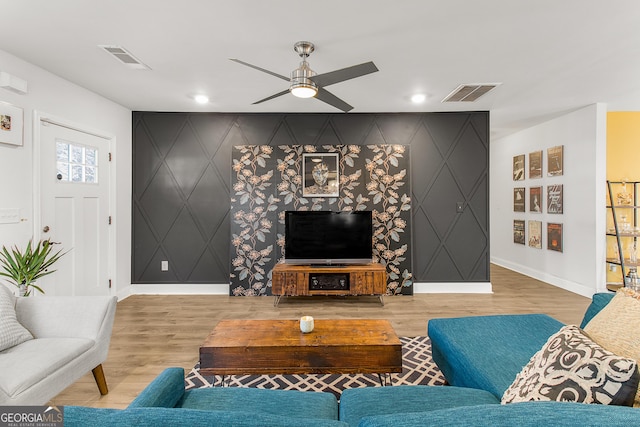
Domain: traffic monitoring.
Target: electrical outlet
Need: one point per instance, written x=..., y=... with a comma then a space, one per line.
x=164, y=265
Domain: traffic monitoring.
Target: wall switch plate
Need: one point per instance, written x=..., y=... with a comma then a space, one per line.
x=9, y=216
x=459, y=207
x=164, y=265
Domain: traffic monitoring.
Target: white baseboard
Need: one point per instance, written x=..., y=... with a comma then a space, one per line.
x=183, y=289
x=453, y=288
x=223, y=289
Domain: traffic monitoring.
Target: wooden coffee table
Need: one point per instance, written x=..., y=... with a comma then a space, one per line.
x=344, y=346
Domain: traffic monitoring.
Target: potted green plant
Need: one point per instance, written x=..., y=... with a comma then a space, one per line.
x=23, y=268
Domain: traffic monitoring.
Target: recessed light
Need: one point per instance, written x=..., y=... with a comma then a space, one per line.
x=418, y=98
x=201, y=99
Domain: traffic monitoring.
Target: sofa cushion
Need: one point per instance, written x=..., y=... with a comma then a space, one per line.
x=28, y=363
x=617, y=327
x=357, y=403
x=528, y=414
x=11, y=331
x=167, y=390
x=487, y=352
x=571, y=367
x=598, y=302
x=77, y=416
x=286, y=403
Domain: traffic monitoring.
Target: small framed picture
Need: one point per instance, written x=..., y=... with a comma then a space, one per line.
x=554, y=237
x=555, y=160
x=535, y=165
x=518, y=167
x=320, y=175
x=518, y=199
x=535, y=234
x=535, y=199
x=11, y=124
x=554, y=199
x=518, y=232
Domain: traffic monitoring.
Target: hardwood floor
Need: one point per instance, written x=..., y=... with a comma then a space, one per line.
x=153, y=332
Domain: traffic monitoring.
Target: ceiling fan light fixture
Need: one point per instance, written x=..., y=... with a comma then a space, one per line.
x=301, y=84
x=303, y=91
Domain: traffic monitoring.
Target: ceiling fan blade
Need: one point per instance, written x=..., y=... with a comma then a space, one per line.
x=343, y=74
x=326, y=96
x=260, y=69
x=284, y=92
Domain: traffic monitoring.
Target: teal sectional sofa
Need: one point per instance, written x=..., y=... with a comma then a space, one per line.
x=165, y=402
x=480, y=357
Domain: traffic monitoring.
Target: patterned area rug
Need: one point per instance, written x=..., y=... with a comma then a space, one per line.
x=418, y=368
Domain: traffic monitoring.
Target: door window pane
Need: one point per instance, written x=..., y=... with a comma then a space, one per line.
x=91, y=156
x=76, y=154
x=63, y=171
x=76, y=163
x=91, y=174
x=62, y=152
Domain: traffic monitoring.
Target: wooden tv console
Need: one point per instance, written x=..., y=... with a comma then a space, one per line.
x=309, y=280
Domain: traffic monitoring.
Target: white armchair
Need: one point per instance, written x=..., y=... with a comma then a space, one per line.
x=71, y=338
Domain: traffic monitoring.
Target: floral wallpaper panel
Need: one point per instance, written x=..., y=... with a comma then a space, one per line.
x=267, y=181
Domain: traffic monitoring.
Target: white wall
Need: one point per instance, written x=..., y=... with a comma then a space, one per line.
x=53, y=96
x=580, y=268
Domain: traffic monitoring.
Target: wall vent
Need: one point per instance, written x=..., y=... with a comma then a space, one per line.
x=125, y=57
x=469, y=92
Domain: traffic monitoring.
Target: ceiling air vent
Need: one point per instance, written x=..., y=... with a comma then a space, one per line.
x=125, y=57
x=469, y=92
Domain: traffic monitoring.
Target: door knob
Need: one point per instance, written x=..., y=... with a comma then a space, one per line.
x=46, y=229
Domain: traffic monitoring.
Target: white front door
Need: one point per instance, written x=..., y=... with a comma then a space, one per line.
x=74, y=209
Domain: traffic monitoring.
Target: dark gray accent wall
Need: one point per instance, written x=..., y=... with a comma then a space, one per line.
x=182, y=190
x=450, y=165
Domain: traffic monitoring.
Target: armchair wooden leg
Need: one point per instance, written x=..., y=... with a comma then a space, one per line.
x=98, y=374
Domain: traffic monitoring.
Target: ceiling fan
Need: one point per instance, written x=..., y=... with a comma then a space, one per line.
x=305, y=83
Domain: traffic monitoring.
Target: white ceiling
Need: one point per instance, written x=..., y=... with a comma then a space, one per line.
x=551, y=56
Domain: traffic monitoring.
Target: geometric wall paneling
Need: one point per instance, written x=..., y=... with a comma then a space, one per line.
x=479, y=202
x=353, y=129
x=267, y=181
x=182, y=186
x=397, y=128
x=450, y=201
x=177, y=177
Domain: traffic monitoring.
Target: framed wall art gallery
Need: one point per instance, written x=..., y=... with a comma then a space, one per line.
x=544, y=196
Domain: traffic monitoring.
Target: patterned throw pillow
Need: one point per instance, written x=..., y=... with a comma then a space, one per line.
x=571, y=367
x=11, y=332
x=617, y=327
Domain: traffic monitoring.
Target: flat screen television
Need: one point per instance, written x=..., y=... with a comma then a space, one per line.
x=328, y=238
